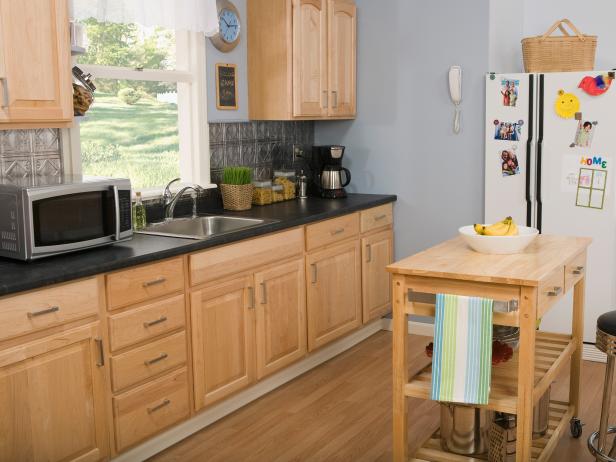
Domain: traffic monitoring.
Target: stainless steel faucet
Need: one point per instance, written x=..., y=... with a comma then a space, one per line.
x=170, y=201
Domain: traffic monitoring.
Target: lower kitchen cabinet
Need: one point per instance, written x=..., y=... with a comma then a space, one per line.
x=333, y=293
x=377, y=253
x=222, y=319
x=281, y=316
x=52, y=399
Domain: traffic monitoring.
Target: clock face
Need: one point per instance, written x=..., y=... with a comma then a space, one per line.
x=229, y=25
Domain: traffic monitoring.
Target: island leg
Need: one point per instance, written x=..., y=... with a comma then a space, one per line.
x=400, y=370
x=526, y=372
x=577, y=331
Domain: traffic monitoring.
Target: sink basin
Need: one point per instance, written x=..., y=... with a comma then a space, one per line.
x=202, y=227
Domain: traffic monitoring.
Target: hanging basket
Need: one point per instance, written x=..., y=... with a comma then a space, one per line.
x=236, y=197
x=545, y=53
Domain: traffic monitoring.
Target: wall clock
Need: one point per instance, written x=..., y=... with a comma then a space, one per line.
x=229, y=26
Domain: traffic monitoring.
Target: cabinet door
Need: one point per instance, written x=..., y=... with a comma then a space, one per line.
x=222, y=339
x=281, y=316
x=35, y=61
x=377, y=253
x=334, y=288
x=341, y=57
x=309, y=58
x=52, y=399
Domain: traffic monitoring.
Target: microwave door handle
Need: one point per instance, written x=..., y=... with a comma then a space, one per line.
x=116, y=201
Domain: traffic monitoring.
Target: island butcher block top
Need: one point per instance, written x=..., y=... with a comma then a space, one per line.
x=453, y=259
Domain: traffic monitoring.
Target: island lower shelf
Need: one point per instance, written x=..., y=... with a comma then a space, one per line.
x=552, y=353
x=542, y=448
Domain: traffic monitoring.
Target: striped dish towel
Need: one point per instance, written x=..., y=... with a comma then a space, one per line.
x=462, y=358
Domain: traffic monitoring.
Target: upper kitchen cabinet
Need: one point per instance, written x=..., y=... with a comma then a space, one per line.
x=35, y=64
x=301, y=59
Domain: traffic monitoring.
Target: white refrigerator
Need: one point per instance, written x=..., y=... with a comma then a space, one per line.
x=550, y=162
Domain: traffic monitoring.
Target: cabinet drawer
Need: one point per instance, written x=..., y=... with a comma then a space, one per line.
x=575, y=270
x=140, y=324
x=376, y=218
x=235, y=258
x=551, y=289
x=146, y=410
x=22, y=314
x=148, y=361
x=331, y=231
x=145, y=282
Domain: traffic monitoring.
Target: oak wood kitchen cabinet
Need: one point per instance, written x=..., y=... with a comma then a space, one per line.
x=302, y=59
x=35, y=64
x=93, y=368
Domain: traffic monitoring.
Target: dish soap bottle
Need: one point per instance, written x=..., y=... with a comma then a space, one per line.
x=139, y=218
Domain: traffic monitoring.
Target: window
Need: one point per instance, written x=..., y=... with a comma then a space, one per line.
x=148, y=121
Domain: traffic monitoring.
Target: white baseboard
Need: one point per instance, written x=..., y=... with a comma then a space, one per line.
x=216, y=412
x=416, y=328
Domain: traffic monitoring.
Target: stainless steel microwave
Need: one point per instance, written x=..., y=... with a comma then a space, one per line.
x=44, y=216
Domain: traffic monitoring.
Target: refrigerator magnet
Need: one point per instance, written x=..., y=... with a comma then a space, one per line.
x=591, y=188
x=509, y=91
x=566, y=105
x=508, y=131
x=595, y=86
x=584, y=133
x=509, y=162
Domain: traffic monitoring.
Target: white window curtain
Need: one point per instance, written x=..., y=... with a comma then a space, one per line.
x=190, y=15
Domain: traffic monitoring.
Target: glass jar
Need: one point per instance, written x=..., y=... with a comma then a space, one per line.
x=286, y=179
x=277, y=193
x=262, y=193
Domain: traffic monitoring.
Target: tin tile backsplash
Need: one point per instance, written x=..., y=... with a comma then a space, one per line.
x=262, y=145
x=26, y=153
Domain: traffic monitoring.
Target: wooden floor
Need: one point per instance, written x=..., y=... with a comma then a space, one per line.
x=341, y=411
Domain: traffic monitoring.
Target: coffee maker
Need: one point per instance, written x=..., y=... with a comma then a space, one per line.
x=326, y=172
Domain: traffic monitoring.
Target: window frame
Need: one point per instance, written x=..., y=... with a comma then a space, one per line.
x=190, y=76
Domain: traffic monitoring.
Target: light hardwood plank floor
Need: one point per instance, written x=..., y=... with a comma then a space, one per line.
x=341, y=411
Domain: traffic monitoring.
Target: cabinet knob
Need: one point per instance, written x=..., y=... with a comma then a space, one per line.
x=578, y=270
x=154, y=282
x=156, y=321
x=555, y=291
x=33, y=314
x=162, y=356
x=165, y=402
x=314, y=273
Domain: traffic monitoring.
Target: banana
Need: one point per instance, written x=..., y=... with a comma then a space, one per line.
x=499, y=229
x=513, y=229
x=479, y=229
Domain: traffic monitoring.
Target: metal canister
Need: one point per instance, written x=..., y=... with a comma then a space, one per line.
x=302, y=182
x=464, y=429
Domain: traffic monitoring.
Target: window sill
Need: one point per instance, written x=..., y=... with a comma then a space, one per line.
x=157, y=193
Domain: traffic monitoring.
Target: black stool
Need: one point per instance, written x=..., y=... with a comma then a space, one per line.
x=606, y=342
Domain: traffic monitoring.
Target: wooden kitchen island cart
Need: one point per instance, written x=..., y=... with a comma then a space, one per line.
x=531, y=282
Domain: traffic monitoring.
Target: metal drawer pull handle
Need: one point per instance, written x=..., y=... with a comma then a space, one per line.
x=314, y=273
x=578, y=270
x=325, y=99
x=369, y=253
x=335, y=99
x=337, y=231
x=5, y=92
x=264, y=293
x=159, y=406
x=53, y=309
x=380, y=217
x=156, y=321
x=101, y=353
x=162, y=356
x=555, y=292
x=154, y=282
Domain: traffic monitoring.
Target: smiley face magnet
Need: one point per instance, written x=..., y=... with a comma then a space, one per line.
x=566, y=105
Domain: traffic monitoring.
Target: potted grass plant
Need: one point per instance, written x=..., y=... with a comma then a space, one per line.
x=236, y=188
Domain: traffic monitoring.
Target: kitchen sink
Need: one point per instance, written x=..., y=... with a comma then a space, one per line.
x=202, y=227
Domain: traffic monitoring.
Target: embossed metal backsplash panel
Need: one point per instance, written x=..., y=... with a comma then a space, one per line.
x=262, y=145
x=25, y=153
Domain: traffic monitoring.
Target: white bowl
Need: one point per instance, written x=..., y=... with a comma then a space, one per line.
x=499, y=245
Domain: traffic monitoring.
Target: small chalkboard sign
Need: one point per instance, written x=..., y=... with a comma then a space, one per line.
x=226, y=86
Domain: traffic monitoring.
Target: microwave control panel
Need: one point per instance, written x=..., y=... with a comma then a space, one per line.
x=9, y=229
x=125, y=210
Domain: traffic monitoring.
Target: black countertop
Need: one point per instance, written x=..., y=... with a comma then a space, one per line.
x=16, y=276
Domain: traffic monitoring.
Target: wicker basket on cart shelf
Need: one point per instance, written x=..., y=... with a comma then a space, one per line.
x=545, y=53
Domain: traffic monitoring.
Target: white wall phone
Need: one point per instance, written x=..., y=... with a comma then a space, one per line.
x=455, y=90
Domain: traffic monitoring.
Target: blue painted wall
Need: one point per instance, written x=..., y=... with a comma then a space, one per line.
x=402, y=140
